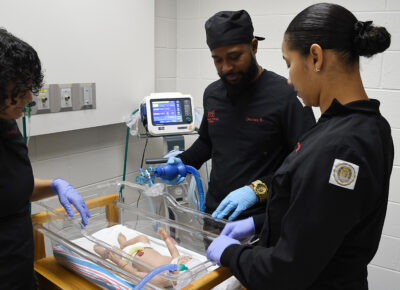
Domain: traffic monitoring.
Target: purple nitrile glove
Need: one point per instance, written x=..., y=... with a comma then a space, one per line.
x=241, y=229
x=238, y=200
x=67, y=196
x=177, y=179
x=218, y=246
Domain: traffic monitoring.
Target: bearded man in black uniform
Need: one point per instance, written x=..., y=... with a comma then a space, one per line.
x=252, y=120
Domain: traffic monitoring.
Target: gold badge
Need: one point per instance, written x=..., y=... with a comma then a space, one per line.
x=344, y=174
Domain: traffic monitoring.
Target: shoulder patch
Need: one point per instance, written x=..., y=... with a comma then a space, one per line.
x=344, y=174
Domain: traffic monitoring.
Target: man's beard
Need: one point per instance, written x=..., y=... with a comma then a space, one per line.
x=246, y=78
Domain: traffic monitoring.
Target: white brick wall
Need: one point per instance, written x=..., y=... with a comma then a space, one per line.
x=380, y=74
x=165, y=42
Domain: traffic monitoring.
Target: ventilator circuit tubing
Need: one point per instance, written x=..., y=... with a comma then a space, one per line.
x=169, y=171
x=154, y=272
x=196, y=175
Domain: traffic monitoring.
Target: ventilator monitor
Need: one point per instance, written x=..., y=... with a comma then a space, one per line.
x=169, y=114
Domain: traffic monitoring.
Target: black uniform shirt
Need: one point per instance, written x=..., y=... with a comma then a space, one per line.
x=326, y=207
x=16, y=186
x=247, y=137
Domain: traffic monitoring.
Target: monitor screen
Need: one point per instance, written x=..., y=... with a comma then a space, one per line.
x=166, y=111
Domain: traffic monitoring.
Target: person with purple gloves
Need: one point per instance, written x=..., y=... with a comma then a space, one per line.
x=327, y=202
x=20, y=76
x=252, y=120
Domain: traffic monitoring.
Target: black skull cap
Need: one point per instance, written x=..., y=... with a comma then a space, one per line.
x=229, y=27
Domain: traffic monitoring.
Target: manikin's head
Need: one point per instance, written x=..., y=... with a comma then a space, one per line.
x=233, y=48
x=20, y=75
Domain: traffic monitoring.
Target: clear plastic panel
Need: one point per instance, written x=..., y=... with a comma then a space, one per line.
x=192, y=231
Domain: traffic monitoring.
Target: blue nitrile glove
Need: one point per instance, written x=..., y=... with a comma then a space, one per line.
x=241, y=229
x=218, y=246
x=178, y=179
x=238, y=200
x=67, y=196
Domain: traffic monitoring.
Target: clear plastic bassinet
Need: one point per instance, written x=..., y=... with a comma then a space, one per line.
x=131, y=212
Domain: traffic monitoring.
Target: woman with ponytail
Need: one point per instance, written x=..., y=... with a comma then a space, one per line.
x=327, y=202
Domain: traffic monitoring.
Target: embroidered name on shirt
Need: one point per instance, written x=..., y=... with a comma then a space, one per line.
x=256, y=120
x=344, y=174
x=12, y=132
x=211, y=117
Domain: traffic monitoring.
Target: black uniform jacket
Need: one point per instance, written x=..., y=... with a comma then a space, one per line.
x=16, y=186
x=326, y=207
x=248, y=136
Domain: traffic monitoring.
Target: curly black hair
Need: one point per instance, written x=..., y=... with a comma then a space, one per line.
x=20, y=68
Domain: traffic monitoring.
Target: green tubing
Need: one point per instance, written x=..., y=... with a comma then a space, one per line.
x=26, y=110
x=24, y=129
x=125, y=159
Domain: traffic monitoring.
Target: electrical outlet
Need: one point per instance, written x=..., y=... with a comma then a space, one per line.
x=66, y=98
x=87, y=95
x=84, y=96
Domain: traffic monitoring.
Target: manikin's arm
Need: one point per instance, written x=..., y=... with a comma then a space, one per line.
x=169, y=243
x=123, y=242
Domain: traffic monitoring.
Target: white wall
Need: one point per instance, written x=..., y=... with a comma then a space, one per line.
x=97, y=41
x=88, y=156
x=381, y=74
x=95, y=155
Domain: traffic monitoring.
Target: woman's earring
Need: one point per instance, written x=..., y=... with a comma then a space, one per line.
x=316, y=69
